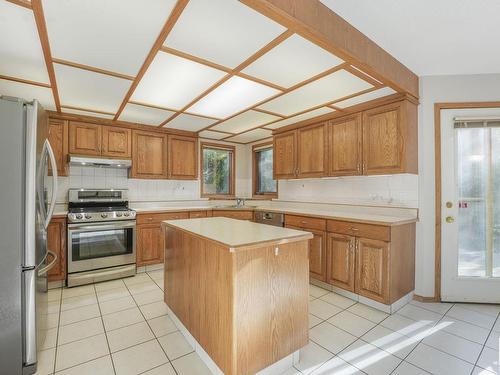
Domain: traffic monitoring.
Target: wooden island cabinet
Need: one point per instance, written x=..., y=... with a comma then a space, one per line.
x=239, y=288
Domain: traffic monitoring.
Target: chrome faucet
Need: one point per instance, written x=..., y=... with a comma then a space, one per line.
x=240, y=202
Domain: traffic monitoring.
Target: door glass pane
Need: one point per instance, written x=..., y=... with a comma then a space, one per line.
x=265, y=181
x=217, y=171
x=478, y=172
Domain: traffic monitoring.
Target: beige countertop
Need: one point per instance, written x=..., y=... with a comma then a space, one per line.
x=237, y=233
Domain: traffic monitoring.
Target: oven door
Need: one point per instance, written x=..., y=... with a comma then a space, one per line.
x=93, y=246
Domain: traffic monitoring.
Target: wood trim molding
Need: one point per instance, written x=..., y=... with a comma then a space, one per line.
x=319, y=24
x=232, y=176
x=110, y=122
x=92, y=69
x=26, y=81
x=167, y=27
x=273, y=43
x=22, y=3
x=47, y=55
x=423, y=299
x=255, y=195
x=437, y=176
x=87, y=110
x=170, y=109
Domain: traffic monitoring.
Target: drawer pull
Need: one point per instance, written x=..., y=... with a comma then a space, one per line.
x=354, y=228
x=150, y=218
x=303, y=222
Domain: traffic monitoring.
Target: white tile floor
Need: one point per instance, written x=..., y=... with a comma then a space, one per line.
x=122, y=327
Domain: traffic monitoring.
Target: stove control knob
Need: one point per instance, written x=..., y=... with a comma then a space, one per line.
x=104, y=216
x=79, y=216
x=126, y=214
x=118, y=214
x=88, y=216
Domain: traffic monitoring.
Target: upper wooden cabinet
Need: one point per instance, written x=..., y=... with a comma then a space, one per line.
x=182, y=157
x=345, y=153
x=149, y=150
x=285, y=155
x=380, y=140
x=390, y=139
x=116, y=142
x=85, y=139
x=312, y=144
x=98, y=140
x=301, y=153
x=58, y=138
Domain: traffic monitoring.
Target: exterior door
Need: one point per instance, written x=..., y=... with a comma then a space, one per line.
x=470, y=205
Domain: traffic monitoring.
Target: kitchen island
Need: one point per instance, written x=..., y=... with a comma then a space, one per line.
x=240, y=289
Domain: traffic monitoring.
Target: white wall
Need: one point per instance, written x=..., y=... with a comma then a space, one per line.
x=438, y=89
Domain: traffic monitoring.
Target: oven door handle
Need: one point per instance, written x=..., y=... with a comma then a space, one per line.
x=74, y=228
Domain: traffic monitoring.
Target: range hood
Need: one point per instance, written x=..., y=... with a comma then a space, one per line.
x=100, y=162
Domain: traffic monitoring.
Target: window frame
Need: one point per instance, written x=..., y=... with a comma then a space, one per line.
x=255, y=193
x=232, y=170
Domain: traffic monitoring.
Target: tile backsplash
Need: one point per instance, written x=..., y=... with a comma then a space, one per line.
x=392, y=190
x=139, y=190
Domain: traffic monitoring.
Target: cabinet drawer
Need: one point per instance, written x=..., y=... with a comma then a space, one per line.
x=233, y=214
x=196, y=214
x=376, y=232
x=156, y=218
x=305, y=222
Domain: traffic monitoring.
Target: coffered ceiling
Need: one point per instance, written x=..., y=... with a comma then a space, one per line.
x=215, y=67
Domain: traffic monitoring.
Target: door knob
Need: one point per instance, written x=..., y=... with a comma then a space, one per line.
x=450, y=219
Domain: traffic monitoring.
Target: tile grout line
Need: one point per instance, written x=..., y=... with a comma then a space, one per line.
x=104, y=328
x=152, y=331
x=482, y=349
x=57, y=336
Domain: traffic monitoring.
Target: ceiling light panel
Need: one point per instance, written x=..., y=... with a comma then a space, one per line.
x=365, y=97
x=226, y=32
x=87, y=113
x=304, y=116
x=173, y=81
x=331, y=87
x=115, y=35
x=293, y=61
x=251, y=136
x=28, y=92
x=20, y=49
x=232, y=96
x=144, y=115
x=81, y=88
x=245, y=121
x=189, y=122
x=211, y=134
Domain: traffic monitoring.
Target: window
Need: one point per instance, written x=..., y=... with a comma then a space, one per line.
x=263, y=183
x=217, y=174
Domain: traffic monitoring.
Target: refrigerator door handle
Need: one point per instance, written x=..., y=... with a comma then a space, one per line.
x=53, y=166
x=29, y=321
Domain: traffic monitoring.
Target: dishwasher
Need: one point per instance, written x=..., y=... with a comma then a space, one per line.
x=270, y=218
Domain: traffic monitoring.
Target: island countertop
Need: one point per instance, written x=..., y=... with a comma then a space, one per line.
x=237, y=233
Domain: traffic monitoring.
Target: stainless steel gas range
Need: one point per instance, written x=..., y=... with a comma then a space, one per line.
x=101, y=236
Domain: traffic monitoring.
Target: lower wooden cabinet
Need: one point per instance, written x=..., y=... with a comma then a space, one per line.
x=374, y=261
x=340, y=261
x=149, y=244
x=317, y=251
x=56, y=243
x=372, y=273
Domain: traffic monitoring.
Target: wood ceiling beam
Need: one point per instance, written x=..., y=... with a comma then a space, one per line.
x=92, y=69
x=87, y=110
x=41, y=26
x=26, y=81
x=319, y=24
x=22, y=3
x=269, y=46
x=167, y=27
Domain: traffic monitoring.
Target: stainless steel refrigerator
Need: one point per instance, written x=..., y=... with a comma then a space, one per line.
x=25, y=154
